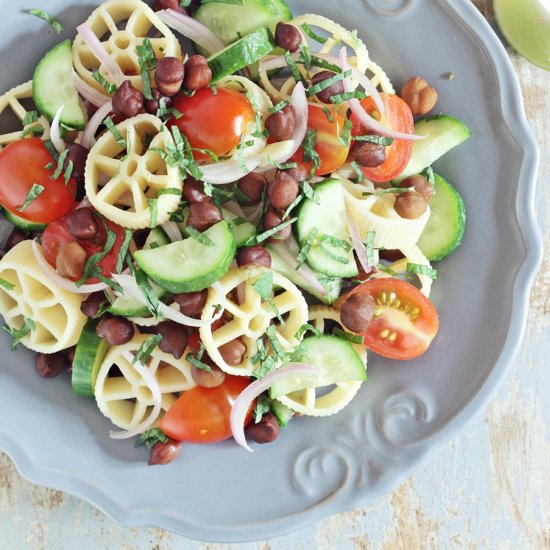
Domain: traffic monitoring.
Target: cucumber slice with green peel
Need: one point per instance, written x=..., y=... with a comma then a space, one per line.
x=246, y=51
x=52, y=87
x=332, y=286
x=88, y=356
x=189, y=265
x=328, y=219
x=24, y=225
x=445, y=228
x=130, y=307
x=335, y=360
x=443, y=133
x=232, y=21
x=157, y=237
x=282, y=413
x=242, y=231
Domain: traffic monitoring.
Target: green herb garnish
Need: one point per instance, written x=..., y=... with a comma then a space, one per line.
x=151, y=437
x=33, y=193
x=55, y=24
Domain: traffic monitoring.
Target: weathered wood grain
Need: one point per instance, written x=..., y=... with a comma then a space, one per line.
x=488, y=489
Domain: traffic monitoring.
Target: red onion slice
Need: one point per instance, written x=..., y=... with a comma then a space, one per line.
x=172, y=231
x=54, y=276
x=251, y=392
x=358, y=245
x=94, y=123
x=97, y=48
x=88, y=92
x=131, y=288
x=55, y=131
x=192, y=29
x=152, y=383
x=228, y=171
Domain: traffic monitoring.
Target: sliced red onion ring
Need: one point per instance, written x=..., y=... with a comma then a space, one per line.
x=172, y=231
x=88, y=92
x=54, y=276
x=97, y=48
x=304, y=270
x=131, y=288
x=191, y=28
x=358, y=245
x=251, y=392
x=94, y=123
x=55, y=131
x=235, y=208
x=228, y=171
x=153, y=385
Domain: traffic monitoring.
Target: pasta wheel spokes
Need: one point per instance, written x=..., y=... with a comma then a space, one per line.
x=121, y=26
x=251, y=319
x=324, y=401
x=122, y=182
x=15, y=102
x=126, y=399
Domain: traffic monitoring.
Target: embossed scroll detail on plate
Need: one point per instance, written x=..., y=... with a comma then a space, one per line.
x=361, y=453
x=389, y=7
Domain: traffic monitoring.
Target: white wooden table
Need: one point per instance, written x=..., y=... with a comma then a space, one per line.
x=489, y=488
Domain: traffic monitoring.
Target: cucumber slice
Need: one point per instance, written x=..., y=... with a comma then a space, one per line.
x=24, y=225
x=443, y=133
x=332, y=286
x=445, y=228
x=282, y=413
x=157, y=237
x=130, y=307
x=188, y=265
x=329, y=219
x=335, y=359
x=52, y=87
x=88, y=356
x=231, y=21
x=244, y=52
x=242, y=231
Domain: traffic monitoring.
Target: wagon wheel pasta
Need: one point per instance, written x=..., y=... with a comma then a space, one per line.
x=315, y=401
x=29, y=294
x=251, y=318
x=130, y=183
x=124, y=396
x=13, y=101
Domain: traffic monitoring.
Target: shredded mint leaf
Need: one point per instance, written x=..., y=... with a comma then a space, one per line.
x=263, y=405
x=304, y=251
x=154, y=210
x=369, y=247
x=394, y=190
x=18, y=334
x=169, y=191
x=304, y=329
x=310, y=193
x=264, y=285
x=32, y=195
x=196, y=361
x=328, y=114
x=36, y=130
x=330, y=254
x=338, y=99
x=353, y=338
x=151, y=437
x=92, y=268
x=257, y=239
x=327, y=83
x=6, y=284
x=198, y=236
x=60, y=163
x=55, y=24
x=109, y=87
x=345, y=136
x=30, y=117
x=429, y=175
x=310, y=154
x=305, y=56
x=123, y=250
x=322, y=64
x=421, y=269
x=307, y=29
x=293, y=67
x=280, y=106
x=333, y=241
x=145, y=350
x=387, y=270
x=286, y=166
x=292, y=205
x=377, y=140
x=358, y=171
x=147, y=62
x=266, y=363
x=115, y=131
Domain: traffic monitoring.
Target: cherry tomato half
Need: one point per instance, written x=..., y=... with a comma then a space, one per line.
x=214, y=121
x=398, y=117
x=201, y=415
x=22, y=164
x=405, y=321
x=57, y=233
x=332, y=152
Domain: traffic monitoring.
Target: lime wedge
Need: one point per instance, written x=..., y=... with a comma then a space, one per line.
x=526, y=26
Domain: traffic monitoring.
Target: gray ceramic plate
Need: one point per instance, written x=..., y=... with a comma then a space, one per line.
x=405, y=412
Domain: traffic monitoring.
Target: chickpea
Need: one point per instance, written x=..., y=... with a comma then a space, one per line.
x=50, y=365
x=233, y=352
x=169, y=75
x=265, y=431
x=168, y=5
x=152, y=105
x=197, y=73
x=419, y=95
x=300, y=174
x=253, y=255
x=281, y=125
x=82, y=224
x=368, y=154
x=70, y=260
x=207, y=379
x=164, y=453
x=282, y=191
x=77, y=155
x=115, y=330
x=272, y=219
x=410, y=205
x=421, y=185
x=287, y=37
x=92, y=304
x=191, y=303
x=203, y=215
x=127, y=101
x=174, y=338
x=252, y=185
x=357, y=311
x=334, y=89
x=193, y=191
